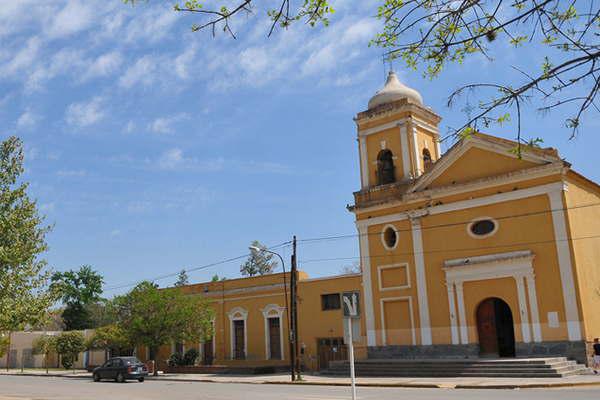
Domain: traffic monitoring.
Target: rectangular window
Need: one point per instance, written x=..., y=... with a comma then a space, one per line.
x=330, y=301
x=274, y=338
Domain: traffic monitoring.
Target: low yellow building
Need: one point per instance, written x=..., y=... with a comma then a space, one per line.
x=251, y=326
x=476, y=252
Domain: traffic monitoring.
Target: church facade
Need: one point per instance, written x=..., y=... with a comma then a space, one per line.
x=474, y=252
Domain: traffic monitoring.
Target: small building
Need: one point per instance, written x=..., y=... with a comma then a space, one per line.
x=490, y=249
x=251, y=322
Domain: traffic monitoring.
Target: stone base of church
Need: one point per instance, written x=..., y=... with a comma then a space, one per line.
x=577, y=350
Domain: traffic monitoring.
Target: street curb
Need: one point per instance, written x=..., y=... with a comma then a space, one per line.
x=447, y=385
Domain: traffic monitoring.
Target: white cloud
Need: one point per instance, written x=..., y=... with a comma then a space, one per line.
x=61, y=63
x=129, y=128
x=115, y=233
x=103, y=65
x=27, y=120
x=144, y=72
x=85, y=113
x=76, y=16
x=23, y=58
x=164, y=125
x=171, y=159
x=72, y=172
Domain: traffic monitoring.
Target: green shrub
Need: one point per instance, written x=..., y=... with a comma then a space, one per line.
x=68, y=345
x=175, y=360
x=190, y=356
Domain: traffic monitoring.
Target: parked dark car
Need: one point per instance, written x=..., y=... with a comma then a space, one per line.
x=121, y=369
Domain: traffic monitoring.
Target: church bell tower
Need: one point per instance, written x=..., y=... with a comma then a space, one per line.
x=398, y=136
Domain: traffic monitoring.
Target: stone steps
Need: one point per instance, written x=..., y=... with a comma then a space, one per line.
x=515, y=368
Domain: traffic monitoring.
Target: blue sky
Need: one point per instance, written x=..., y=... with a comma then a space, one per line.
x=152, y=148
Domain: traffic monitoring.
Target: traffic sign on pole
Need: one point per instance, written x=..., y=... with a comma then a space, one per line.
x=351, y=310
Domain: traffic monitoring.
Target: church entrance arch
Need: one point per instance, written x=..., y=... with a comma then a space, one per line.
x=495, y=328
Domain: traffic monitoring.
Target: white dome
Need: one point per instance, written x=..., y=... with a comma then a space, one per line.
x=394, y=90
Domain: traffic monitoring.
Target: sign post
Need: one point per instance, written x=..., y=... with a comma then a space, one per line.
x=351, y=310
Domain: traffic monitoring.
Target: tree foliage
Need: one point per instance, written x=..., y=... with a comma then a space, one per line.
x=562, y=37
x=259, y=262
x=111, y=338
x=78, y=290
x=68, y=346
x=154, y=317
x=45, y=345
x=24, y=293
x=182, y=279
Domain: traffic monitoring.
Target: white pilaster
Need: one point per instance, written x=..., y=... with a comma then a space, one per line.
x=525, y=330
x=405, y=154
x=565, y=266
x=421, y=282
x=533, y=307
x=367, y=284
x=415, y=145
x=364, y=166
x=462, y=319
x=438, y=147
x=452, y=310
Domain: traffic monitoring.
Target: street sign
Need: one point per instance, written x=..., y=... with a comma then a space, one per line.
x=350, y=301
x=351, y=304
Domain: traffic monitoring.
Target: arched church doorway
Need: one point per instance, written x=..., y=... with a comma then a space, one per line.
x=495, y=328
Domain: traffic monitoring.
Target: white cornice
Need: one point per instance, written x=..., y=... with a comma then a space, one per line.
x=398, y=122
x=524, y=255
x=464, y=204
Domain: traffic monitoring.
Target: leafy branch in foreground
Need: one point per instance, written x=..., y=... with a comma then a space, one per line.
x=435, y=33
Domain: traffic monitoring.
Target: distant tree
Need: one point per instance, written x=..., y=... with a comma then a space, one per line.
x=182, y=279
x=113, y=339
x=215, y=278
x=24, y=294
x=154, y=317
x=353, y=268
x=258, y=262
x=77, y=290
x=45, y=345
x=4, y=343
x=68, y=346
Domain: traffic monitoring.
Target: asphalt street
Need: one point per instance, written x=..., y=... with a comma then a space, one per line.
x=41, y=388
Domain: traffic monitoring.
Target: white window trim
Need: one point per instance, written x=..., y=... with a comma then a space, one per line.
x=390, y=266
x=237, y=314
x=487, y=235
x=412, y=321
x=385, y=245
x=268, y=313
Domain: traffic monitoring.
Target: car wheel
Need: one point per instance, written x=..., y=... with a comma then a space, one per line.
x=141, y=379
x=96, y=378
x=120, y=378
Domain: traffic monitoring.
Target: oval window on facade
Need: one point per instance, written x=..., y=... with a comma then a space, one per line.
x=389, y=237
x=483, y=227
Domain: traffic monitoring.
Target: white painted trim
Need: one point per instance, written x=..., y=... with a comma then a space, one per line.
x=517, y=264
x=564, y=263
x=415, y=144
x=452, y=313
x=389, y=125
x=533, y=308
x=462, y=317
x=421, y=279
x=390, y=266
x=267, y=313
x=385, y=245
x=487, y=235
x=438, y=149
x=525, y=328
x=410, y=309
x=471, y=203
x=237, y=314
x=367, y=284
x=364, y=169
x=324, y=278
x=405, y=154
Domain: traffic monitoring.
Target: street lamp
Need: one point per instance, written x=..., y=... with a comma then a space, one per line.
x=287, y=309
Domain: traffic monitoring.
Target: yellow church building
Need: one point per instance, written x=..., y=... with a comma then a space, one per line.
x=474, y=252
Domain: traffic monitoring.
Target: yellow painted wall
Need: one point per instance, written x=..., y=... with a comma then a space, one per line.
x=478, y=163
x=583, y=211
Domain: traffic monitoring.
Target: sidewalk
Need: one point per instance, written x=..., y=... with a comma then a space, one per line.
x=284, y=379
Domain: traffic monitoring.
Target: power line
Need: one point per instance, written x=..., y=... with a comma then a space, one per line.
x=529, y=214
x=202, y=267
x=410, y=253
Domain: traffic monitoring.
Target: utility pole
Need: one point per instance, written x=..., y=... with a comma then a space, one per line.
x=293, y=336
x=295, y=310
